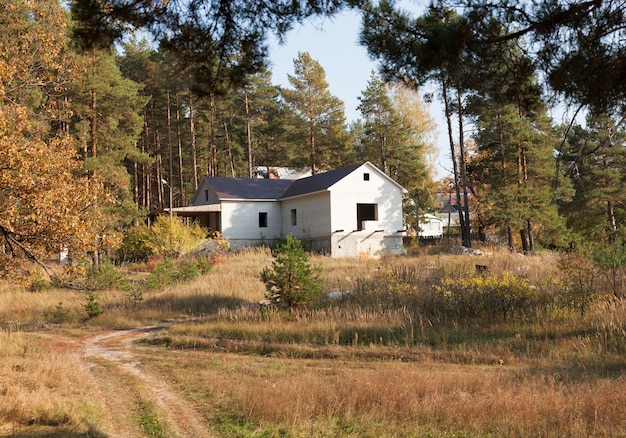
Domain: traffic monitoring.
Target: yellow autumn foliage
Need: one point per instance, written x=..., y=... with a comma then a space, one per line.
x=46, y=200
x=493, y=297
x=44, y=203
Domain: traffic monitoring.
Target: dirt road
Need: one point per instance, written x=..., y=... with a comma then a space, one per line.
x=130, y=396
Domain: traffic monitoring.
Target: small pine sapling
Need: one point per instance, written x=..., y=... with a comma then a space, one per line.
x=292, y=280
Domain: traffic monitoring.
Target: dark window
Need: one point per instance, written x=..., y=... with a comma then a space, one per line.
x=263, y=220
x=366, y=176
x=365, y=212
x=294, y=218
x=206, y=195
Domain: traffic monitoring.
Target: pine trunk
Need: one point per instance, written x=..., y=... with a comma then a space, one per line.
x=170, y=153
x=457, y=188
x=466, y=227
x=212, y=142
x=192, y=132
x=181, y=177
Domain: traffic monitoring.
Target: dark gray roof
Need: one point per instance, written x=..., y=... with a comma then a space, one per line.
x=247, y=188
x=273, y=189
x=318, y=182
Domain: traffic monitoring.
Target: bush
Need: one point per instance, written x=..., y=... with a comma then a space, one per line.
x=163, y=275
x=92, y=304
x=167, y=237
x=167, y=273
x=105, y=276
x=580, y=281
x=170, y=237
x=292, y=281
x=136, y=243
x=490, y=297
x=611, y=259
x=386, y=290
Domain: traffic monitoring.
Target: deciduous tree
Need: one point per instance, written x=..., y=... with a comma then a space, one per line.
x=44, y=200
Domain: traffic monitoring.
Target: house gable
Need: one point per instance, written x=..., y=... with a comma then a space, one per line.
x=367, y=200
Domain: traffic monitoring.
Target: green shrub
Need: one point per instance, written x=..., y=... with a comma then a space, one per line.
x=58, y=314
x=105, y=276
x=136, y=243
x=579, y=277
x=187, y=271
x=167, y=237
x=611, y=259
x=386, y=290
x=292, y=280
x=164, y=275
x=168, y=273
x=39, y=284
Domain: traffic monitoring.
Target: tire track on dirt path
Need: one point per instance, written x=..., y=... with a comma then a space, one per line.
x=117, y=349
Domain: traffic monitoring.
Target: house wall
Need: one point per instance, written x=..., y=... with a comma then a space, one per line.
x=366, y=244
x=312, y=220
x=353, y=190
x=240, y=222
x=431, y=228
x=312, y=216
x=376, y=237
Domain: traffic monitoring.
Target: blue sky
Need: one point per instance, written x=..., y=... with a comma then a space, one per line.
x=334, y=44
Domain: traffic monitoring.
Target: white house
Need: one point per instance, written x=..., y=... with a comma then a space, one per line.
x=355, y=211
x=430, y=226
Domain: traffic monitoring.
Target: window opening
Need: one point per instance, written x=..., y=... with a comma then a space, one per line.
x=262, y=220
x=365, y=212
x=294, y=217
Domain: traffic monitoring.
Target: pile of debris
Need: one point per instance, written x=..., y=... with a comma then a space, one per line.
x=463, y=250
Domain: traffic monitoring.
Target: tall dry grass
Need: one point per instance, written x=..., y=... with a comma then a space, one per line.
x=41, y=385
x=382, y=398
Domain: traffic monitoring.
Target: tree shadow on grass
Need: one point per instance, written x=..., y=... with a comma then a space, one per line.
x=195, y=305
x=55, y=432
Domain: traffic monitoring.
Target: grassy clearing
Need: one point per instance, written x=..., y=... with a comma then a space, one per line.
x=377, y=363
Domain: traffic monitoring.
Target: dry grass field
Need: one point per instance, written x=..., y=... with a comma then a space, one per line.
x=203, y=359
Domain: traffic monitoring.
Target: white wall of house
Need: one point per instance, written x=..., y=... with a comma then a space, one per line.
x=240, y=221
x=379, y=190
x=376, y=237
x=312, y=216
x=366, y=245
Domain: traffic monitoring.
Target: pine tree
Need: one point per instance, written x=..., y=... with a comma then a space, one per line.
x=596, y=165
x=383, y=127
x=292, y=280
x=107, y=119
x=429, y=48
x=321, y=115
x=394, y=136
